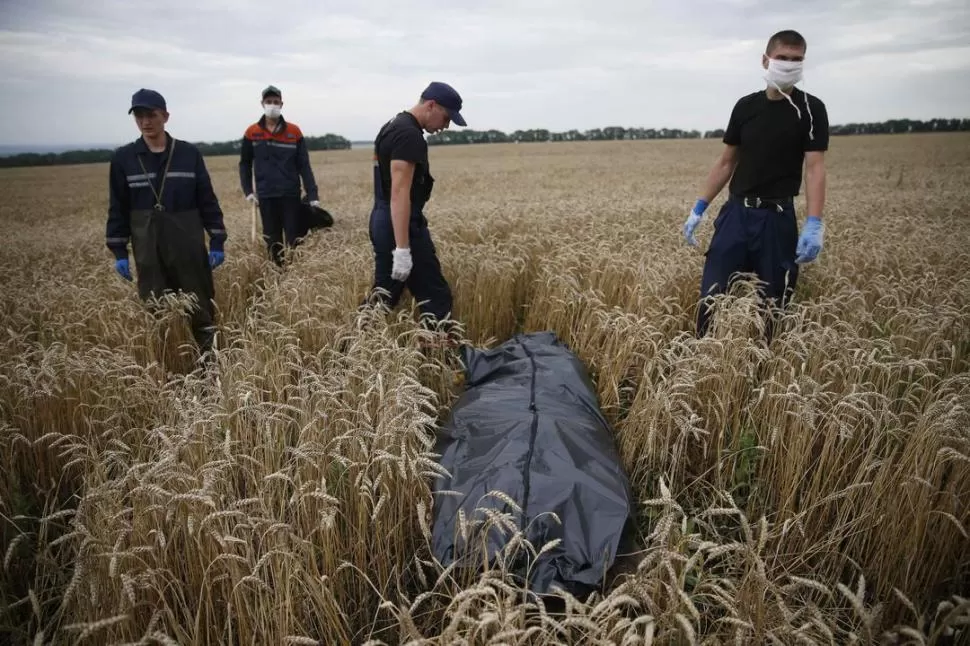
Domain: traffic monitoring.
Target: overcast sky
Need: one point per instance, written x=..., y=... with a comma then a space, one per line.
x=347, y=66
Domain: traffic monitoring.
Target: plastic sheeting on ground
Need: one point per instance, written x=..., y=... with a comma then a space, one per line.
x=529, y=425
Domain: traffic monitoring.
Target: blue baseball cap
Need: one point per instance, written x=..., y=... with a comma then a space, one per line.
x=147, y=99
x=446, y=96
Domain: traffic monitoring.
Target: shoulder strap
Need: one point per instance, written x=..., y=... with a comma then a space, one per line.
x=161, y=188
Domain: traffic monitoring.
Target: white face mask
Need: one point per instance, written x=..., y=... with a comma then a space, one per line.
x=783, y=74
x=272, y=110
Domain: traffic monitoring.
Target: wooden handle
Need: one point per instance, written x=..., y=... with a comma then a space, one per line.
x=254, y=222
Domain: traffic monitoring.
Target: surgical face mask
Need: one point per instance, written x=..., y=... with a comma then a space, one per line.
x=783, y=74
x=272, y=110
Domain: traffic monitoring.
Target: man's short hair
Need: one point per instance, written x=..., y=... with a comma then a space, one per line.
x=788, y=37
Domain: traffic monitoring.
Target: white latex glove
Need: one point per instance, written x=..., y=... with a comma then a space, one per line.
x=252, y=198
x=315, y=204
x=401, y=268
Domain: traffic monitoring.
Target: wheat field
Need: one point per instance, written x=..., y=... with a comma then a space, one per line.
x=815, y=490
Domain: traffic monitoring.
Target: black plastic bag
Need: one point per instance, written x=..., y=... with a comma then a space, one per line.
x=313, y=217
x=529, y=425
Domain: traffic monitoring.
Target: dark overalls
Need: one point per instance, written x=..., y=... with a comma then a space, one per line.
x=164, y=204
x=751, y=235
x=426, y=282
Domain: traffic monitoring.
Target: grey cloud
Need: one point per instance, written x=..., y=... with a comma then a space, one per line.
x=346, y=66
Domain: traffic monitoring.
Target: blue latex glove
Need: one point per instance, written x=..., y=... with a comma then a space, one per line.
x=216, y=258
x=693, y=220
x=810, y=242
x=121, y=266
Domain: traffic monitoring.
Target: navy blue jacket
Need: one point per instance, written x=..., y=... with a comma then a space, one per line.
x=188, y=186
x=280, y=159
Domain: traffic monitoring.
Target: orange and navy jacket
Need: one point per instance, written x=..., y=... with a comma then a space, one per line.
x=280, y=159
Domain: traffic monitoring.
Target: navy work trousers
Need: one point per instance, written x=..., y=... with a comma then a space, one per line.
x=281, y=216
x=426, y=282
x=751, y=240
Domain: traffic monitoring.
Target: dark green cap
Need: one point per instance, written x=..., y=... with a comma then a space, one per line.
x=272, y=89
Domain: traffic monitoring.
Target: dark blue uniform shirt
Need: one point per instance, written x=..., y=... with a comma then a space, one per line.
x=134, y=170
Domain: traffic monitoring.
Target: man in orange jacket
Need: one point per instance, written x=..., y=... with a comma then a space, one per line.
x=275, y=151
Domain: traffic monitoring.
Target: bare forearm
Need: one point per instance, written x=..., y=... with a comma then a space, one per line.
x=400, y=215
x=716, y=179
x=815, y=190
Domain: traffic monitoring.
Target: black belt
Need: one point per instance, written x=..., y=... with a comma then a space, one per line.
x=753, y=202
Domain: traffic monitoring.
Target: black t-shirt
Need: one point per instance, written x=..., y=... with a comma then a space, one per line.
x=773, y=139
x=402, y=138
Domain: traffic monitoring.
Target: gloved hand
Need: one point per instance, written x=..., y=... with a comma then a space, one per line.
x=693, y=220
x=315, y=204
x=810, y=241
x=401, y=268
x=216, y=258
x=121, y=266
x=252, y=198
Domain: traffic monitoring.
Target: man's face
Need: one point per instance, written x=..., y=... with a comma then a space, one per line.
x=783, y=53
x=438, y=118
x=151, y=122
x=273, y=100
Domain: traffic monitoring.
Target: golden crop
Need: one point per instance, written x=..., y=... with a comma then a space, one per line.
x=813, y=491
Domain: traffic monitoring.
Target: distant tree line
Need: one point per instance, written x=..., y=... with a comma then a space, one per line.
x=467, y=136
x=325, y=142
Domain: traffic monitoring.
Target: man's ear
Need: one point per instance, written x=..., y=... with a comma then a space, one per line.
x=764, y=61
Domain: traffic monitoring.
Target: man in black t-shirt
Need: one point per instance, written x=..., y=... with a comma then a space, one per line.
x=770, y=134
x=404, y=254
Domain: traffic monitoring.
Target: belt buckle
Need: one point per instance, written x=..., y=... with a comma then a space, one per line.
x=752, y=205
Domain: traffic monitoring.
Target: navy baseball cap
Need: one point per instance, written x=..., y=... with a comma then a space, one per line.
x=272, y=90
x=147, y=99
x=448, y=98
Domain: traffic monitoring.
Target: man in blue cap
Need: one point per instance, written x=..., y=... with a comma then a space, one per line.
x=161, y=199
x=404, y=254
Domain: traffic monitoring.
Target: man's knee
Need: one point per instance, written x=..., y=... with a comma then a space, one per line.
x=726, y=254
x=716, y=275
x=293, y=218
x=385, y=290
x=431, y=289
x=204, y=336
x=438, y=303
x=780, y=285
x=781, y=270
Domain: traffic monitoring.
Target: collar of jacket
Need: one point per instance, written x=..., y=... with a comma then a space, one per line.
x=280, y=126
x=142, y=148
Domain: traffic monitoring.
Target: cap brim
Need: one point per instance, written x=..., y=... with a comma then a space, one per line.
x=140, y=105
x=456, y=117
